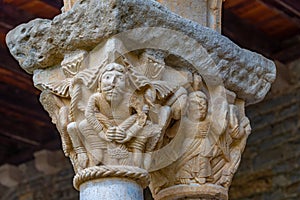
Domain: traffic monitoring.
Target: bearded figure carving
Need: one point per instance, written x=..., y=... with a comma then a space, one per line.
x=140, y=94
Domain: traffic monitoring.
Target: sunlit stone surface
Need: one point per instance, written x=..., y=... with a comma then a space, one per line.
x=143, y=95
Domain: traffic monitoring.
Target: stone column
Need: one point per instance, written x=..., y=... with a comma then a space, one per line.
x=111, y=188
x=143, y=97
x=205, y=12
x=68, y=4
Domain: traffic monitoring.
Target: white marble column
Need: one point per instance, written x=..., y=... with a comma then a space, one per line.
x=112, y=189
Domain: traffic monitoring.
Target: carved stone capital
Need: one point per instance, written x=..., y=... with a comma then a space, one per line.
x=137, y=92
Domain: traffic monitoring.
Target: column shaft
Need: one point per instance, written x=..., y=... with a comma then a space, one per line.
x=111, y=189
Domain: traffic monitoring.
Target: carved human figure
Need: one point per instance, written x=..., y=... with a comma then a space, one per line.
x=117, y=117
x=213, y=153
x=164, y=101
x=189, y=134
x=236, y=135
x=100, y=127
x=58, y=112
x=129, y=113
x=195, y=167
x=61, y=112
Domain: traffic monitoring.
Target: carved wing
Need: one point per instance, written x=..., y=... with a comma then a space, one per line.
x=164, y=89
x=88, y=77
x=219, y=124
x=60, y=88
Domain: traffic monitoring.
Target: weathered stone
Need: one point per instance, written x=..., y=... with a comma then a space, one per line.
x=42, y=43
x=139, y=93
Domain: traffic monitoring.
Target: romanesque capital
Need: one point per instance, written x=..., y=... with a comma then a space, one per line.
x=140, y=93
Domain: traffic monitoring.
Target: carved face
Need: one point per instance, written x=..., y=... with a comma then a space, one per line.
x=113, y=83
x=197, y=109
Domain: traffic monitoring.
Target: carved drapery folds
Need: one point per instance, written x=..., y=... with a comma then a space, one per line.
x=163, y=106
x=134, y=111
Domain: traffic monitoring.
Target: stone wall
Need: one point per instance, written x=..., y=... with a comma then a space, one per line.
x=270, y=167
x=37, y=186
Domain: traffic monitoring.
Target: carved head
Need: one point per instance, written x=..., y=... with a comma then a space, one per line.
x=112, y=81
x=197, y=107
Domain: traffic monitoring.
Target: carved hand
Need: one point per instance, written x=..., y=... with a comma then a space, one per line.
x=126, y=139
x=104, y=136
x=245, y=124
x=115, y=133
x=131, y=132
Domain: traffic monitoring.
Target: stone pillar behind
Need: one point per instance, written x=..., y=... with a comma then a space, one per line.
x=204, y=12
x=68, y=4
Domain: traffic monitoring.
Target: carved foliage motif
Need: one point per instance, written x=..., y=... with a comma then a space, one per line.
x=134, y=110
